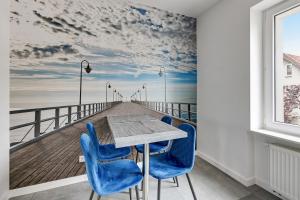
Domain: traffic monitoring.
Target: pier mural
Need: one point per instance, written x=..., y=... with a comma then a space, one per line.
x=125, y=43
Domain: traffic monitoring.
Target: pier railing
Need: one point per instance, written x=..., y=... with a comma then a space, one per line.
x=49, y=119
x=186, y=111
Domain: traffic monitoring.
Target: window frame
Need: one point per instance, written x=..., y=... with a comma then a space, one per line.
x=269, y=51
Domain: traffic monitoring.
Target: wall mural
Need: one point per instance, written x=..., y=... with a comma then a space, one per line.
x=125, y=43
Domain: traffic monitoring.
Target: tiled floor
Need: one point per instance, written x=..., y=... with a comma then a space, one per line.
x=209, y=183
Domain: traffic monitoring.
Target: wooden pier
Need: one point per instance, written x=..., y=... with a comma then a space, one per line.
x=56, y=156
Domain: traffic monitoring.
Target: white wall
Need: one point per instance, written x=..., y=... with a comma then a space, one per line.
x=224, y=94
x=224, y=88
x=4, y=96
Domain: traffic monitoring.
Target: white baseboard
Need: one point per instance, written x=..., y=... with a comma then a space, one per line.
x=263, y=184
x=47, y=186
x=266, y=186
x=238, y=177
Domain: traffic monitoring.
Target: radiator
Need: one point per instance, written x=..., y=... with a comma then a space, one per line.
x=285, y=172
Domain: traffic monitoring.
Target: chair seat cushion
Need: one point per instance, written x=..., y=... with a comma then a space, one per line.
x=163, y=166
x=154, y=148
x=117, y=176
x=110, y=152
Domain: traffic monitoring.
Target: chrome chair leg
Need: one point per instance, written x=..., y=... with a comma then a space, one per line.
x=130, y=191
x=142, y=186
x=137, y=157
x=158, y=189
x=191, y=186
x=176, y=178
x=137, y=192
x=92, y=195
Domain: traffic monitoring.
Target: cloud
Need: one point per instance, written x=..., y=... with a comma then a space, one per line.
x=42, y=52
x=121, y=40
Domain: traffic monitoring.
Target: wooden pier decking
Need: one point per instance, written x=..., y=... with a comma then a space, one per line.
x=57, y=156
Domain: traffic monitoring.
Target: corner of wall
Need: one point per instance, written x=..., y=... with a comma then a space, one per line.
x=246, y=181
x=4, y=196
x=4, y=100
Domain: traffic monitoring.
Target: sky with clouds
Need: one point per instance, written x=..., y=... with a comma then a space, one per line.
x=125, y=43
x=291, y=32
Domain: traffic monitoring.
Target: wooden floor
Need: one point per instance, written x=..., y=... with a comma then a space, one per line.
x=57, y=156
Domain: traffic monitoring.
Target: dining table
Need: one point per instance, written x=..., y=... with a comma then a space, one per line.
x=130, y=130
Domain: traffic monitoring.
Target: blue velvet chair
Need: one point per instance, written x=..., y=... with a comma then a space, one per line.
x=157, y=147
x=110, y=177
x=106, y=152
x=178, y=161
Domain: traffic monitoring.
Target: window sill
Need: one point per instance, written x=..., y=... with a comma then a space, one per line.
x=277, y=135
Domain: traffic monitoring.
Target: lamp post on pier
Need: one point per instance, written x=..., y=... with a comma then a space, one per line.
x=87, y=69
x=139, y=91
x=107, y=85
x=135, y=96
x=145, y=88
x=114, y=91
x=161, y=73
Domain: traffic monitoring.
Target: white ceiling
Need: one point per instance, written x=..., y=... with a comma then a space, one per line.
x=192, y=8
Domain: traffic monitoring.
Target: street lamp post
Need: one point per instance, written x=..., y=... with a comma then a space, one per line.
x=161, y=73
x=109, y=86
x=88, y=69
x=145, y=88
x=114, y=91
x=139, y=91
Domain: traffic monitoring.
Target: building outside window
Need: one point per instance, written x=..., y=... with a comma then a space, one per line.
x=287, y=66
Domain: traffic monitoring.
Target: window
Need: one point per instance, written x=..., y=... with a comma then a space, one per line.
x=287, y=53
x=289, y=70
x=282, y=64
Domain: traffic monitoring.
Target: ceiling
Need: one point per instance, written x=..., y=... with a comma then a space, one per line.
x=192, y=8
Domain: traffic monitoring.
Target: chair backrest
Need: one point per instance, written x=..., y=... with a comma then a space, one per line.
x=91, y=164
x=93, y=135
x=168, y=120
x=183, y=150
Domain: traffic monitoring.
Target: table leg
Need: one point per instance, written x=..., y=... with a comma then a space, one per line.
x=146, y=172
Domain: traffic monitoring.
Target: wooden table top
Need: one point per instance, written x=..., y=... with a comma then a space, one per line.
x=130, y=130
